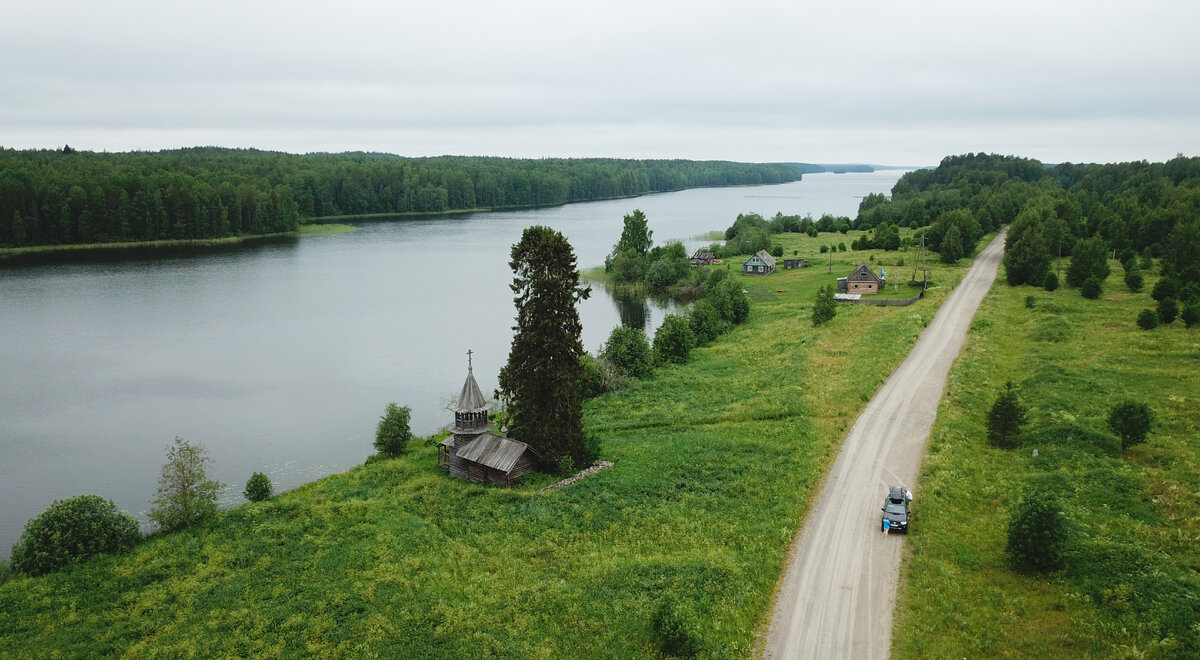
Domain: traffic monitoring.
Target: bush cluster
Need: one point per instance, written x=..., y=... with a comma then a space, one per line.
x=1037, y=533
x=72, y=530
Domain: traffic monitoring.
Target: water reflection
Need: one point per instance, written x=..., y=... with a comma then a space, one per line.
x=145, y=252
x=634, y=310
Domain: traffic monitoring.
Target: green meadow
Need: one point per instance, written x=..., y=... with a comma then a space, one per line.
x=715, y=464
x=1131, y=584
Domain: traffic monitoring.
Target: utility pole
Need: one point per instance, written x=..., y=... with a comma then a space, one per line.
x=924, y=267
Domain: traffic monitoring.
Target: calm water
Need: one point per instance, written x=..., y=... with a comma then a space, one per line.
x=280, y=358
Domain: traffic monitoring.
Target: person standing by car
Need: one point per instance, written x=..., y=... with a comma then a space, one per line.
x=887, y=524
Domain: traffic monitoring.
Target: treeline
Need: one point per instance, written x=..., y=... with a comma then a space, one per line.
x=750, y=232
x=1141, y=207
x=51, y=197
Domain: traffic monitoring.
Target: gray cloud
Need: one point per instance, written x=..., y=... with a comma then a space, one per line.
x=879, y=81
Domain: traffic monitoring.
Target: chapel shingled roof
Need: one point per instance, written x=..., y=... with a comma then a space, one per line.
x=470, y=399
x=495, y=452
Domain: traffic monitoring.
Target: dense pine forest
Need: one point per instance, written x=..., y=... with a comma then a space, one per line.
x=58, y=197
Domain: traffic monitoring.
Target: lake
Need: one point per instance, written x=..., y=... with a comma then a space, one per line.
x=280, y=357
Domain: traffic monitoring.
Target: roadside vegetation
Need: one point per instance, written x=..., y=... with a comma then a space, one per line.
x=1062, y=509
x=1129, y=585
x=675, y=549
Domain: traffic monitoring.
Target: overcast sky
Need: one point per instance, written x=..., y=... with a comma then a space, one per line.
x=896, y=82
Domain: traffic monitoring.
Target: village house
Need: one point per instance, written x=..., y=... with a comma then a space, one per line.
x=861, y=280
x=762, y=263
x=473, y=452
x=702, y=258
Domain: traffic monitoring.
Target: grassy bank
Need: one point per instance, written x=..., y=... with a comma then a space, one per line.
x=323, y=230
x=715, y=462
x=1131, y=587
x=82, y=251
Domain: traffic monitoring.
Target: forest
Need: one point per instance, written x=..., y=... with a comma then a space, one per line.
x=59, y=197
x=1150, y=209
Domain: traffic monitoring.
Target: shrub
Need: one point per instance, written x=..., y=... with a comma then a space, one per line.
x=1030, y=301
x=592, y=381
x=1089, y=258
x=674, y=630
x=706, y=322
x=1168, y=309
x=73, y=530
x=661, y=274
x=1131, y=421
x=1147, y=320
x=674, y=340
x=1038, y=533
x=824, y=249
x=1165, y=288
x=1134, y=280
x=1006, y=418
x=726, y=296
x=1190, y=315
x=186, y=496
x=392, y=434
x=1051, y=283
x=825, y=307
x=1091, y=288
x=258, y=488
x=842, y=248
x=628, y=350
x=776, y=250
x=1189, y=293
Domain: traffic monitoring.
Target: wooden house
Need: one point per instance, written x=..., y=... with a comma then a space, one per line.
x=762, y=263
x=702, y=258
x=861, y=280
x=788, y=264
x=473, y=452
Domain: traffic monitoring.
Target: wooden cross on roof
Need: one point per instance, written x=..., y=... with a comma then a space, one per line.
x=469, y=359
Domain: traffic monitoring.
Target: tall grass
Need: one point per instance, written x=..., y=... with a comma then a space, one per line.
x=1131, y=587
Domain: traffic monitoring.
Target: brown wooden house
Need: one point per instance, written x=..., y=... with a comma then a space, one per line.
x=861, y=280
x=702, y=258
x=475, y=454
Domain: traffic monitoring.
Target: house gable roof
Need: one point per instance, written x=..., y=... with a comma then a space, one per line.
x=763, y=256
x=863, y=273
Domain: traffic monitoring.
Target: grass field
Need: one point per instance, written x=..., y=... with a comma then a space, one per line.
x=1131, y=588
x=715, y=462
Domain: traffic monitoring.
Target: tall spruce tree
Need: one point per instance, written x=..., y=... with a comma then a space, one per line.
x=543, y=372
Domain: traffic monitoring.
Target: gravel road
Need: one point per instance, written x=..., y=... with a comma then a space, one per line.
x=838, y=592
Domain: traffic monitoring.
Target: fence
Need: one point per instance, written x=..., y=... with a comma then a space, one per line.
x=889, y=303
